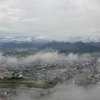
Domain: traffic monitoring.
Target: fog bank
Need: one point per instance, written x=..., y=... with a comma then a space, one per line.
x=44, y=58
x=64, y=92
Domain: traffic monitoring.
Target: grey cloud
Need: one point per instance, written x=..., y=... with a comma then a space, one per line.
x=72, y=92
x=45, y=57
x=63, y=92
x=74, y=16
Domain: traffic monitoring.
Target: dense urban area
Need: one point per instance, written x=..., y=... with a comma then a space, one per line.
x=82, y=72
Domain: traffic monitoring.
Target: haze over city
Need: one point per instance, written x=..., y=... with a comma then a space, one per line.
x=49, y=49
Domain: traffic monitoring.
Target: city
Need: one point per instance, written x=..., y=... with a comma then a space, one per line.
x=49, y=49
x=82, y=70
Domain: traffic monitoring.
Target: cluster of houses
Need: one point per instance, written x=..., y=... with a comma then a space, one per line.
x=77, y=72
x=6, y=74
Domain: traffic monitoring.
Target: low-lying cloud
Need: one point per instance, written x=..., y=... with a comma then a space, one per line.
x=72, y=92
x=44, y=58
x=64, y=92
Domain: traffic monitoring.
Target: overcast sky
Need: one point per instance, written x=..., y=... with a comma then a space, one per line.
x=51, y=19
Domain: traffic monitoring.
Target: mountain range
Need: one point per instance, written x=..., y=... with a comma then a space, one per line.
x=11, y=45
x=72, y=47
x=60, y=46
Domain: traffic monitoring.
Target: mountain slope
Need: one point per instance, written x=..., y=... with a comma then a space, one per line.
x=83, y=47
x=20, y=45
x=57, y=45
x=97, y=44
x=73, y=47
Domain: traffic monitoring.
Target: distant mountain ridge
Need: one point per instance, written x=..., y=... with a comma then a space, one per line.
x=20, y=45
x=22, y=39
x=97, y=44
x=60, y=46
x=72, y=47
x=57, y=45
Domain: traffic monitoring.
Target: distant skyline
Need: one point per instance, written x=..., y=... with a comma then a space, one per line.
x=61, y=20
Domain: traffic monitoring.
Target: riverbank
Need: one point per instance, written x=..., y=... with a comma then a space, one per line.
x=16, y=83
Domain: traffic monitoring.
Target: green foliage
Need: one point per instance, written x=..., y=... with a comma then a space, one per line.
x=22, y=53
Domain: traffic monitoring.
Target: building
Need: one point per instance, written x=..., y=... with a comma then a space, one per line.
x=6, y=75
